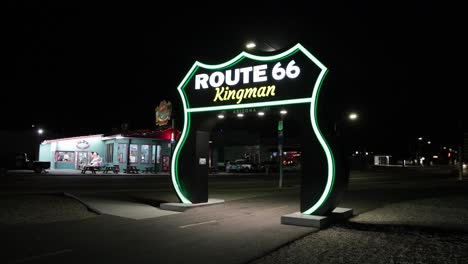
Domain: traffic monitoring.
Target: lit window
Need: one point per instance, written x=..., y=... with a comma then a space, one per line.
x=133, y=153
x=144, y=154
x=122, y=153
x=65, y=156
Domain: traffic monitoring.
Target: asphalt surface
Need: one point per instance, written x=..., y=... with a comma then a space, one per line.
x=400, y=216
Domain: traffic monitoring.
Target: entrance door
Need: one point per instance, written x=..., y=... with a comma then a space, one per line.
x=82, y=159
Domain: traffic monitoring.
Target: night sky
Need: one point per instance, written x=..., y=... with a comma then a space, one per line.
x=82, y=70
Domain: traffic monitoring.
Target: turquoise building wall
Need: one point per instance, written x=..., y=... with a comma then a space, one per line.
x=49, y=150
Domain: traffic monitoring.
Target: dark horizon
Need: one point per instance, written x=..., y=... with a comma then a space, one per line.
x=79, y=71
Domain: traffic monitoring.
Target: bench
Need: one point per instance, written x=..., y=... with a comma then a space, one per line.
x=115, y=169
x=131, y=169
x=148, y=170
x=92, y=169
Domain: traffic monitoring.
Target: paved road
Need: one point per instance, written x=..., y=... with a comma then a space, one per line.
x=244, y=228
x=31, y=182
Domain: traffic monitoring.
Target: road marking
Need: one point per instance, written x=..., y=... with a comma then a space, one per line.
x=50, y=254
x=201, y=223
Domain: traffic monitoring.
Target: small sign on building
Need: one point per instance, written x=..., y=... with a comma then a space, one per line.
x=163, y=113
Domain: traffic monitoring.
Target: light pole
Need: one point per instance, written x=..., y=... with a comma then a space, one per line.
x=280, y=146
x=422, y=150
x=36, y=148
x=353, y=116
x=337, y=128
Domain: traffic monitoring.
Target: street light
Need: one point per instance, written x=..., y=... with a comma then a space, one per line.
x=353, y=116
x=251, y=45
x=40, y=131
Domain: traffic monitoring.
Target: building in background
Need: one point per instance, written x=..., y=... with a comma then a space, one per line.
x=140, y=148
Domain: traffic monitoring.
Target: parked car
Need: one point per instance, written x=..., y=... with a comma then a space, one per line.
x=20, y=161
x=240, y=165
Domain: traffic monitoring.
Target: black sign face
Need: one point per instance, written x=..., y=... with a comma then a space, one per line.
x=250, y=81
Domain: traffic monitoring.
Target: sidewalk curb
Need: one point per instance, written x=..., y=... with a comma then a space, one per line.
x=92, y=209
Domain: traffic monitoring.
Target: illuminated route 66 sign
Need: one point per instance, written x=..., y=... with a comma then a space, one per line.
x=292, y=77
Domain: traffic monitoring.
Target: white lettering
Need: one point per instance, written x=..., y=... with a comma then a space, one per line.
x=229, y=80
x=255, y=74
x=216, y=79
x=259, y=73
x=245, y=74
x=201, y=79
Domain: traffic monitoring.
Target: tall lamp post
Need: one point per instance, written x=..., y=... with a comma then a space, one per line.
x=38, y=141
x=337, y=128
x=280, y=146
x=337, y=125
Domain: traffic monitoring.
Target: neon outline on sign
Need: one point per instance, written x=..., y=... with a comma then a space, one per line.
x=313, y=116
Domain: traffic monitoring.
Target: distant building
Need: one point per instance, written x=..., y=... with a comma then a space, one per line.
x=382, y=160
x=140, y=148
x=250, y=146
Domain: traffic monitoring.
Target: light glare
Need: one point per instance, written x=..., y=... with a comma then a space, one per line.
x=353, y=116
x=250, y=45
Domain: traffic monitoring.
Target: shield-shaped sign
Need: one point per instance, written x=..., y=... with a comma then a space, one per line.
x=290, y=78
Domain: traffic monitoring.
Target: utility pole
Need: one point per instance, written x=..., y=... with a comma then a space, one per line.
x=460, y=163
x=460, y=152
x=280, y=151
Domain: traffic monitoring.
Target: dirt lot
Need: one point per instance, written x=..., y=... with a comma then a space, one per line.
x=40, y=208
x=419, y=231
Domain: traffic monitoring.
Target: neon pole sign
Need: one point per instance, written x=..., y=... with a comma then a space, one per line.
x=249, y=81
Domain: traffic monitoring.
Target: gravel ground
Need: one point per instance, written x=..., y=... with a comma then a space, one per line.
x=418, y=231
x=40, y=209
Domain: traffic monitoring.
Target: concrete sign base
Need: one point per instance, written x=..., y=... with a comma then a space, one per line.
x=181, y=207
x=300, y=219
x=342, y=213
x=316, y=221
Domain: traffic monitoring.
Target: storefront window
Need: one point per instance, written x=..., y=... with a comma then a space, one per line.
x=65, y=156
x=144, y=154
x=110, y=153
x=133, y=153
x=153, y=153
x=83, y=158
x=122, y=153
x=158, y=154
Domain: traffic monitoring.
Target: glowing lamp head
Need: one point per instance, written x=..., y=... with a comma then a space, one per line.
x=261, y=114
x=283, y=112
x=240, y=115
x=353, y=116
x=220, y=116
x=250, y=45
x=40, y=131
